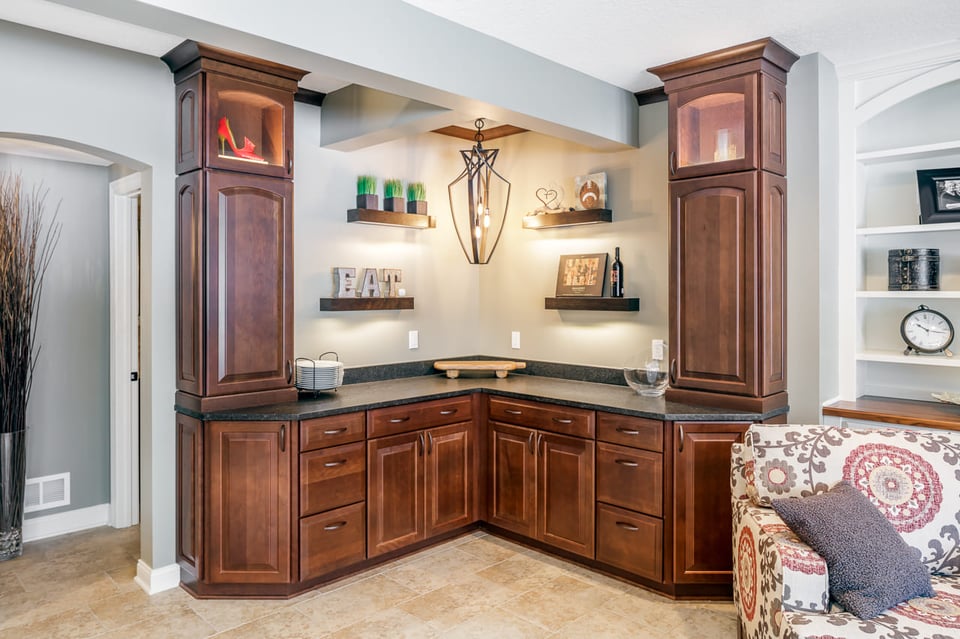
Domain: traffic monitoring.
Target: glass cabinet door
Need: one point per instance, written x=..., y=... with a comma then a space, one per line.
x=249, y=127
x=712, y=128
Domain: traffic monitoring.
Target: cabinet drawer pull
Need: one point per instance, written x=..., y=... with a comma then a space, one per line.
x=681, y=438
x=560, y=420
x=449, y=411
x=626, y=526
x=539, y=442
x=429, y=443
x=673, y=162
x=627, y=431
x=420, y=438
x=400, y=420
x=341, y=524
x=530, y=441
x=289, y=162
x=673, y=371
x=283, y=437
x=340, y=462
x=289, y=371
x=335, y=431
x=626, y=462
x=511, y=411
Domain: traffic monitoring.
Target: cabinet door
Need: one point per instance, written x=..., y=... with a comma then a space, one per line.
x=701, y=491
x=449, y=478
x=190, y=496
x=565, y=512
x=249, y=279
x=248, y=475
x=713, y=287
x=712, y=128
x=394, y=492
x=513, y=478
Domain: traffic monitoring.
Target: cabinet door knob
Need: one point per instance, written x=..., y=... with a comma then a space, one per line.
x=335, y=431
x=400, y=420
x=339, y=524
x=626, y=526
x=560, y=420
x=339, y=462
x=627, y=431
x=449, y=411
x=681, y=438
x=626, y=462
x=510, y=411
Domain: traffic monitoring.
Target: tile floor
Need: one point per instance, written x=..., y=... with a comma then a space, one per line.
x=81, y=585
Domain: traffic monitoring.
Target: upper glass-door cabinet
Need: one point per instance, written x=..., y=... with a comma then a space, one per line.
x=727, y=110
x=233, y=113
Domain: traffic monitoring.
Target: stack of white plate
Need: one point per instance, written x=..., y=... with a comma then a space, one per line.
x=318, y=374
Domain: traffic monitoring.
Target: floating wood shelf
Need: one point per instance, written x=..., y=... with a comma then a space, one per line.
x=592, y=303
x=567, y=218
x=391, y=218
x=909, y=412
x=500, y=367
x=366, y=303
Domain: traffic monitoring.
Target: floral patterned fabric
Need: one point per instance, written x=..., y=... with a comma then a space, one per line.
x=780, y=584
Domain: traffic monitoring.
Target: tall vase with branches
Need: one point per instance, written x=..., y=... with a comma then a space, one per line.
x=26, y=247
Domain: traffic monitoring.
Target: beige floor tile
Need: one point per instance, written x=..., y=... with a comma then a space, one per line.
x=287, y=623
x=393, y=623
x=450, y=605
x=597, y=623
x=133, y=607
x=492, y=549
x=521, y=572
x=9, y=584
x=224, y=614
x=77, y=623
x=24, y=608
x=340, y=608
x=696, y=622
x=557, y=602
x=437, y=570
x=176, y=624
x=124, y=576
x=496, y=623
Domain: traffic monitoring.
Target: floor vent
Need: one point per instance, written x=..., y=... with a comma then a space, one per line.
x=47, y=492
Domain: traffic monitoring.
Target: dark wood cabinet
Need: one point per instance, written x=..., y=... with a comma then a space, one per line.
x=248, y=506
x=701, y=492
x=727, y=160
x=332, y=540
x=234, y=228
x=235, y=273
x=420, y=483
x=542, y=482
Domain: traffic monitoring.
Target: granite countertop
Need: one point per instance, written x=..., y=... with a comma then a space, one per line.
x=590, y=395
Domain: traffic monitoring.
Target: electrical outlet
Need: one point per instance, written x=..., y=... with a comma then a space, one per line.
x=657, y=348
x=413, y=339
x=515, y=339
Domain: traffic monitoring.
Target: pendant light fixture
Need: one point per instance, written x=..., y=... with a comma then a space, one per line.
x=486, y=195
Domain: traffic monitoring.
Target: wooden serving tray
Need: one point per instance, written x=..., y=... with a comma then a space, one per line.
x=453, y=367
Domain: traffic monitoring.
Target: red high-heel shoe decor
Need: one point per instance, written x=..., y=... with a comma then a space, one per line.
x=245, y=152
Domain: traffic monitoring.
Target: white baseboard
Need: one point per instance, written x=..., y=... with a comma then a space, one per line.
x=154, y=580
x=70, y=521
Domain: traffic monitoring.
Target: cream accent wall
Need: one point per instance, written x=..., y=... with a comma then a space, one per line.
x=461, y=308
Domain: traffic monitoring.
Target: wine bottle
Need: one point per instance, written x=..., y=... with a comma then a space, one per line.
x=616, y=276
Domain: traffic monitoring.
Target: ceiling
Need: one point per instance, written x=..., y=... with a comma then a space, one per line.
x=612, y=41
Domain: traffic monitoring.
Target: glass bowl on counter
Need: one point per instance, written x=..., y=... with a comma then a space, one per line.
x=650, y=380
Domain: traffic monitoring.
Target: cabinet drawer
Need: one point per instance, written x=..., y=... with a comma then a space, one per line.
x=332, y=540
x=630, y=478
x=330, y=431
x=630, y=431
x=630, y=541
x=402, y=419
x=332, y=477
x=558, y=419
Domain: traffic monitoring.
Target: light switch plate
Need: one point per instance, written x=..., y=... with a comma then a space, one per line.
x=515, y=339
x=413, y=339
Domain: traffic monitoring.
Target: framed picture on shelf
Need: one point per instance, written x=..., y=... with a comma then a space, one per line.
x=590, y=191
x=581, y=275
x=939, y=195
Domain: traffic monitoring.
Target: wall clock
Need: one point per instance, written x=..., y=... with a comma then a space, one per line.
x=926, y=331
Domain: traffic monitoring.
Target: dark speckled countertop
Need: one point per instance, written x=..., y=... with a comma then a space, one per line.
x=379, y=394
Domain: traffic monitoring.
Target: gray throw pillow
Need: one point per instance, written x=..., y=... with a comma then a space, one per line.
x=871, y=567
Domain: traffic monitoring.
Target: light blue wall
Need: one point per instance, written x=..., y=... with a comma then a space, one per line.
x=68, y=418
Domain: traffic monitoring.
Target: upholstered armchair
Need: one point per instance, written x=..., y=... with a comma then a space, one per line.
x=782, y=586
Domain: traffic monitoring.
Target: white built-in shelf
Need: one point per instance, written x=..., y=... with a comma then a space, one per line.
x=917, y=152
x=897, y=357
x=908, y=228
x=917, y=295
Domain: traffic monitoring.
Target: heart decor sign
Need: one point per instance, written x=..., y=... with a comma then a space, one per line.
x=548, y=197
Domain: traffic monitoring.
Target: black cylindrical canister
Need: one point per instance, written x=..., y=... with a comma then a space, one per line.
x=913, y=269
